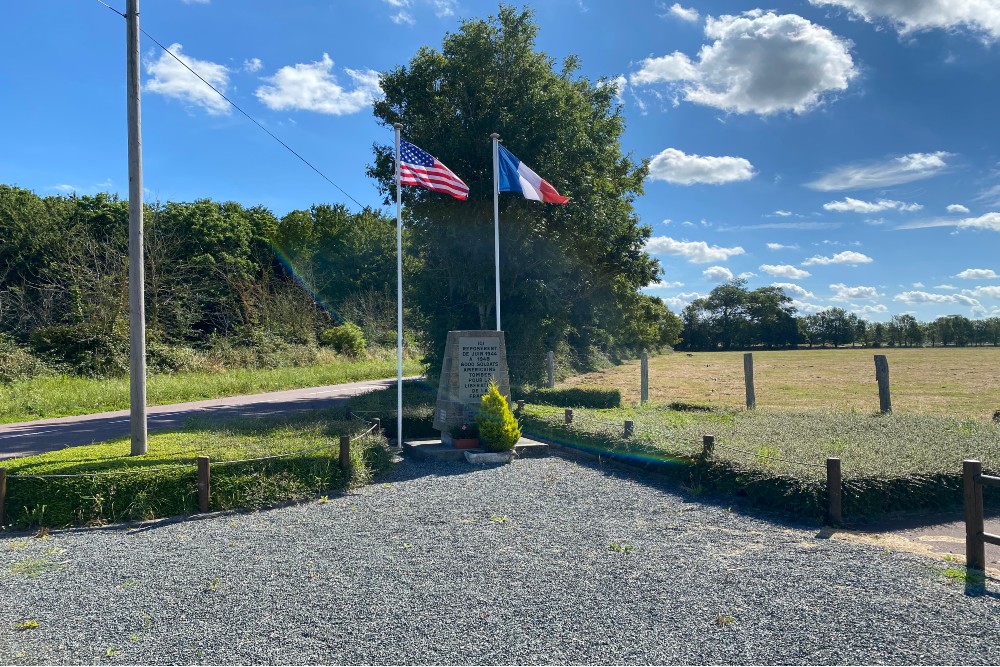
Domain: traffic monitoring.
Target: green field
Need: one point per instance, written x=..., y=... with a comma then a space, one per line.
x=41, y=398
x=944, y=381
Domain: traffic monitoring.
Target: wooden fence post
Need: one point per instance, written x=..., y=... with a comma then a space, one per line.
x=707, y=446
x=629, y=428
x=834, y=492
x=748, y=379
x=204, y=483
x=345, y=452
x=975, y=546
x=377, y=421
x=569, y=415
x=3, y=492
x=882, y=375
x=550, y=359
x=644, y=379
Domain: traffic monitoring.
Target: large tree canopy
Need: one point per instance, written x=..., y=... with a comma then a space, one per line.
x=569, y=274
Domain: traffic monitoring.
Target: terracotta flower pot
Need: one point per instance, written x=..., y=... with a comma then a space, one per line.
x=465, y=443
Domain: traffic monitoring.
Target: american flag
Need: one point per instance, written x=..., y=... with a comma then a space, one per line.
x=418, y=167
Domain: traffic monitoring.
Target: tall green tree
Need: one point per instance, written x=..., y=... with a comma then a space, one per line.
x=564, y=269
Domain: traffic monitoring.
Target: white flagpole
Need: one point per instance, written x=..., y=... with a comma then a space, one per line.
x=399, y=296
x=496, y=217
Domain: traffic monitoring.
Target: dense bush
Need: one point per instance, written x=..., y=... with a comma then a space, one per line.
x=346, y=339
x=89, y=348
x=17, y=363
x=577, y=397
x=162, y=358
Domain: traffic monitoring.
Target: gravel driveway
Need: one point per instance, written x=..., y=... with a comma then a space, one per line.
x=541, y=561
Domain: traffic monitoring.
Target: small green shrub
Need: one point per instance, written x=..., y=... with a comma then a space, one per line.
x=498, y=428
x=163, y=358
x=347, y=339
x=577, y=397
x=88, y=348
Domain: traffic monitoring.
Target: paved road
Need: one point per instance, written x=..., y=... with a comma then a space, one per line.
x=45, y=435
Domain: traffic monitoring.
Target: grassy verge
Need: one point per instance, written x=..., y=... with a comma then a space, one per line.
x=41, y=398
x=163, y=482
x=776, y=458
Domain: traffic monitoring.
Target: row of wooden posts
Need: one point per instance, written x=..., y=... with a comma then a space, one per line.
x=881, y=376
x=204, y=465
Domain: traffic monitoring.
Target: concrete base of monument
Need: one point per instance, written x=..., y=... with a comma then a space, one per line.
x=435, y=450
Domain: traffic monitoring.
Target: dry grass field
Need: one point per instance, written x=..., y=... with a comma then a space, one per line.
x=960, y=382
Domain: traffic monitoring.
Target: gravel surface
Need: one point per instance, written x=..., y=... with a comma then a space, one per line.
x=541, y=561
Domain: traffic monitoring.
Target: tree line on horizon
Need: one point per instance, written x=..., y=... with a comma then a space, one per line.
x=734, y=317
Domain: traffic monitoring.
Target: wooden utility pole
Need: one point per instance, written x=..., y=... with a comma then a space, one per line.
x=136, y=277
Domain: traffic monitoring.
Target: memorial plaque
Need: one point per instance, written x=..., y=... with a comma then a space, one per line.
x=471, y=359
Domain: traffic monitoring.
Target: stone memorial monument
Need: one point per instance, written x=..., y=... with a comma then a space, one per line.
x=471, y=359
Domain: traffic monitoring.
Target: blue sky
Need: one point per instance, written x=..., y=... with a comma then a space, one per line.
x=846, y=150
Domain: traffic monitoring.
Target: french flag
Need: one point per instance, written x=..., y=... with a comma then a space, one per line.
x=515, y=176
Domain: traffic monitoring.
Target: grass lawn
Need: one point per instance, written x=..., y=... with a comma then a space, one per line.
x=163, y=482
x=942, y=381
x=41, y=398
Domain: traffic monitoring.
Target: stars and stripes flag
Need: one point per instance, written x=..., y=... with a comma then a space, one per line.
x=420, y=168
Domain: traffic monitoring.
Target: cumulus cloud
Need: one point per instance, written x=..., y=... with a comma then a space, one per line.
x=689, y=14
x=990, y=221
x=908, y=16
x=759, y=63
x=678, y=303
x=674, y=166
x=782, y=214
x=916, y=297
x=662, y=284
x=858, y=206
x=842, y=292
x=894, y=171
x=870, y=309
x=312, y=87
x=781, y=246
x=807, y=308
x=977, y=274
x=991, y=291
x=171, y=79
x=784, y=271
x=957, y=208
x=847, y=257
x=253, y=65
x=718, y=274
x=696, y=252
x=794, y=291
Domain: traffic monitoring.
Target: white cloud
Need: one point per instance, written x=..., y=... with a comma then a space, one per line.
x=847, y=257
x=661, y=284
x=620, y=83
x=252, y=65
x=842, y=292
x=696, y=252
x=782, y=214
x=689, y=14
x=674, y=166
x=780, y=246
x=794, y=291
x=747, y=275
x=894, y=171
x=928, y=297
x=917, y=284
x=808, y=308
x=677, y=303
x=870, y=309
x=990, y=221
x=907, y=16
x=977, y=274
x=312, y=87
x=957, y=208
x=719, y=274
x=813, y=226
x=759, y=63
x=784, y=271
x=171, y=79
x=858, y=206
x=991, y=291
x=944, y=287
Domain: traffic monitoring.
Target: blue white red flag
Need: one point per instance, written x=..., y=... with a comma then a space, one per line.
x=420, y=168
x=515, y=176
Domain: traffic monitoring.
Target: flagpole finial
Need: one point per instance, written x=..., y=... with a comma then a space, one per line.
x=495, y=136
x=398, y=126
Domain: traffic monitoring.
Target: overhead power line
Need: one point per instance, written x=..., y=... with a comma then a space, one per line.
x=238, y=108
